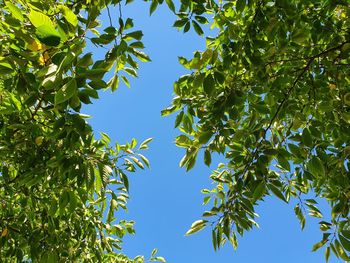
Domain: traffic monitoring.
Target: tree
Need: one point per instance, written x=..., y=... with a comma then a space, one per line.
x=271, y=94
x=59, y=186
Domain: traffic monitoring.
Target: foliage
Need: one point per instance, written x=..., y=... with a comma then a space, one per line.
x=59, y=186
x=270, y=93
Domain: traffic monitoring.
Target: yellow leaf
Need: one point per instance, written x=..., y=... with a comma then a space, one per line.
x=4, y=232
x=39, y=140
x=332, y=86
x=35, y=45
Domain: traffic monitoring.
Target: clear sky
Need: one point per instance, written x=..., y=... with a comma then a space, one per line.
x=165, y=200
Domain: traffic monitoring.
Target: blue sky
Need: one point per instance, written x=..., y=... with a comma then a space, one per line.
x=165, y=200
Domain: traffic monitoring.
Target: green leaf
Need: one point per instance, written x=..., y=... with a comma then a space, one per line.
x=214, y=239
x=85, y=61
x=39, y=19
x=294, y=149
x=160, y=259
x=178, y=119
x=153, y=6
x=144, y=144
x=307, y=138
x=277, y=192
x=316, y=167
x=48, y=35
x=154, y=252
x=67, y=91
x=300, y=216
x=209, y=84
x=196, y=226
x=136, y=35
x=144, y=159
x=345, y=242
x=187, y=27
x=183, y=141
x=202, y=20
x=168, y=110
x=283, y=162
x=197, y=28
x=171, y=5
x=126, y=81
x=207, y=157
x=240, y=5
x=327, y=253
x=340, y=250
x=346, y=233
x=125, y=181
x=68, y=15
x=180, y=23
x=14, y=10
x=319, y=244
x=204, y=137
x=259, y=191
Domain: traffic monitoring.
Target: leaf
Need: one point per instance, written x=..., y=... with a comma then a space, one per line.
x=66, y=92
x=277, y=192
x=300, y=216
x=187, y=27
x=197, y=28
x=125, y=181
x=154, y=251
x=144, y=159
x=327, y=253
x=240, y=5
x=160, y=259
x=15, y=11
x=153, y=7
x=294, y=149
x=48, y=35
x=178, y=119
x=171, y=5
x=183, y=141
x=283, y=162
x=213, y=234
x=168, y=110
x=202, y=20
x=196, y=226
x=144, y=144
x=259, y=191
x=39, y=19
x=126, y=81
x=346, y=233
x=345, y=242
x=207, y=157
x=307, y=138
x=340, y=250
x=319, y=244
x=204, y=137
x=315, y=166
x=136, y=35
x=68, y=15
x=209, y=84
x=113, y=83
x=4, y=232
x=180, y=23
x=137, y=162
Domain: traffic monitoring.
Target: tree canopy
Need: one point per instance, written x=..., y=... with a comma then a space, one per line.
x=60, y=187
x=270, y=93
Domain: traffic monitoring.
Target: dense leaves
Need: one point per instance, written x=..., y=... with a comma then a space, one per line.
x=60, y=188
x=270, y=93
